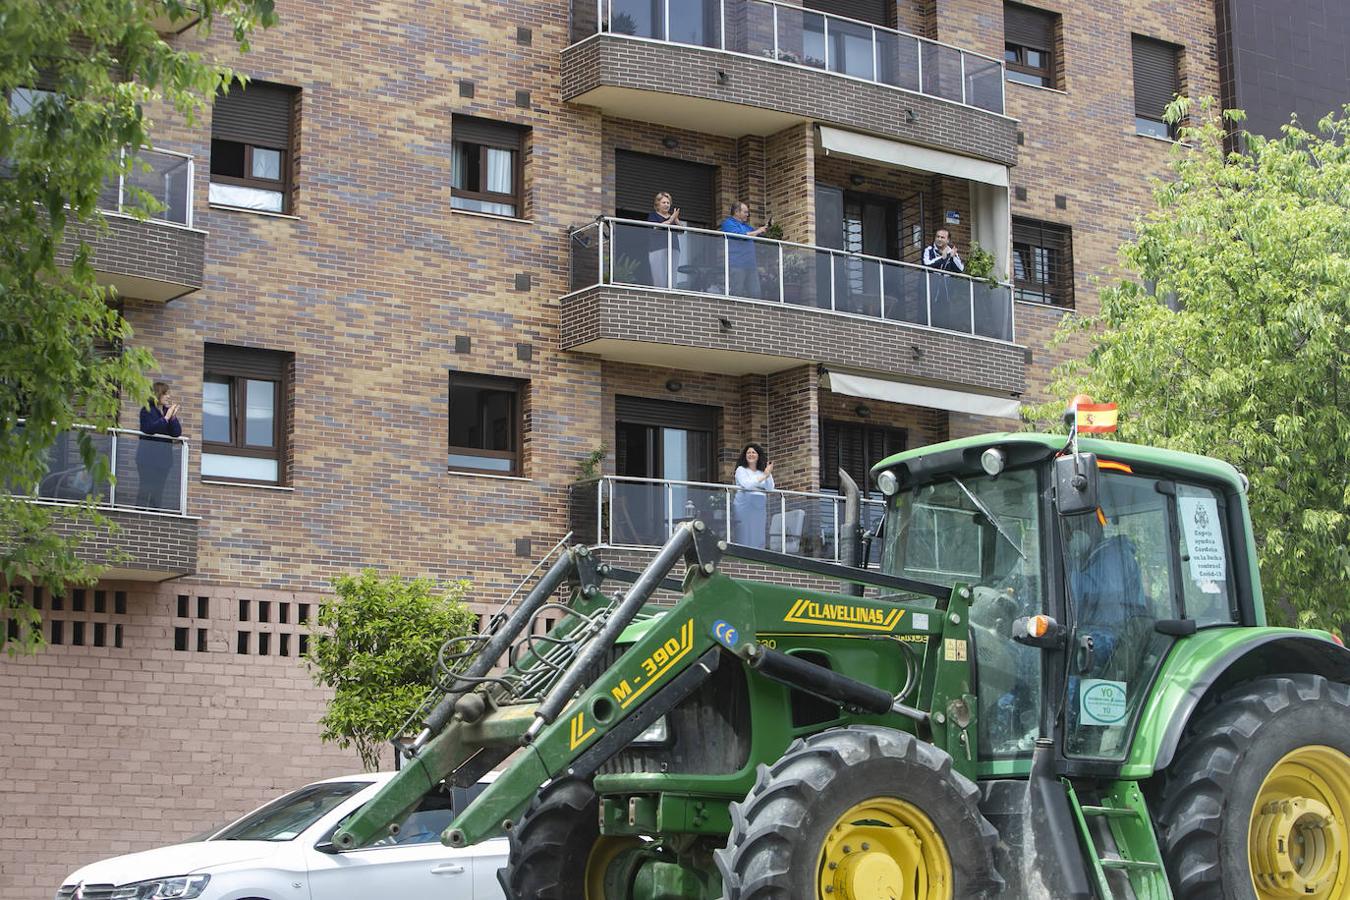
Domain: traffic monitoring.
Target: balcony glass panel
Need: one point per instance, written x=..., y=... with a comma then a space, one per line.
x=67, y=478
x=697, y=22
x=585, y=245
x=949, y=300
x=857, y=285
x=942, y=71
x=984, y=83
x=906, y=294
x=801, y=37
x=801, y=281
x=993, y=310
x=701, y=263
x=638, y=514
x=897, y=59
x=749, y=25
x=164, y=177
x=149, y=472
x=639, y=18
x=640, y=254
x=850, y=46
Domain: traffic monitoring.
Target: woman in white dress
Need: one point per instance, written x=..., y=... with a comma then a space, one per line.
x=754, y=476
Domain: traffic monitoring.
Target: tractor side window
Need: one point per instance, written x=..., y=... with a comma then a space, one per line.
x=1206, y=574
x=1120, y=584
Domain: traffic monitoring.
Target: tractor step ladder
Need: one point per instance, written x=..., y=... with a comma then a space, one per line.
x=1136, y=850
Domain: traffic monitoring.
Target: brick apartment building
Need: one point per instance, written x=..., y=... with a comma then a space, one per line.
x=401, y=293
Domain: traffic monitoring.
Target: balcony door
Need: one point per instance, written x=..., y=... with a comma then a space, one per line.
x=855, y=223
x=667, y=444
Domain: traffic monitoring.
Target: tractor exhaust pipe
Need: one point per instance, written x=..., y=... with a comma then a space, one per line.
x=850, y=530
x=1054, y=834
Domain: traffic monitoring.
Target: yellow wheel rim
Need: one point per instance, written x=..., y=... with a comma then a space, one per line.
x=1298, y=842
x=603, y=852
x=884, y=849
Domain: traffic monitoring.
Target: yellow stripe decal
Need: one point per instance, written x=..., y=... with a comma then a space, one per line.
x=579, y=735
x=840, y=615
x=686, y=641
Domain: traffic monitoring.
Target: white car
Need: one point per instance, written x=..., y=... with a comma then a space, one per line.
x=282, y=851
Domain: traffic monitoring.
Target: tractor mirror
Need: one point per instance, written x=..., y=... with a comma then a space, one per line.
x=1076, y=484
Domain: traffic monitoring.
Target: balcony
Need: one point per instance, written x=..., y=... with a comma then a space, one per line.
x=688, y=298
x=158, y=259
x=154, y=539
x=737, y=67
x=642, y=513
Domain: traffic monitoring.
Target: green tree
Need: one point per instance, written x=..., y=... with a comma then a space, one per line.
x=1234, y=341
x=77, y=81
x=376, y=646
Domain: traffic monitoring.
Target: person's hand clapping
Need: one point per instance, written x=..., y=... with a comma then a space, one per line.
x=768, y=470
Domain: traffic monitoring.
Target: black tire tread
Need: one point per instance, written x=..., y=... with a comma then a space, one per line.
x=541, y=864
x=756, y=861
x=1197, y=784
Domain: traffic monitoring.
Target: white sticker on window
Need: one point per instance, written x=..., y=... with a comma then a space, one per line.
x=1102, y=702
x=1204, y=543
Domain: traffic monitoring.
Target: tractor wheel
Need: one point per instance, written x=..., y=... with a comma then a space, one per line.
x=557, y=851
x=1257, y=802
x=860, y=812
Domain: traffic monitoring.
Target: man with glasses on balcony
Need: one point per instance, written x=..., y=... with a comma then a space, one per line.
x=742, y=265
x=941, y=254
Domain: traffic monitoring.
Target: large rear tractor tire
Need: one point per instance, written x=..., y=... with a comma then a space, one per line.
x=557, y=851
x=1256, y=805
x=860, y=812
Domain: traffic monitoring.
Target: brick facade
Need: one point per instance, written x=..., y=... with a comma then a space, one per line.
x=158, y=547
x=373, y=284
x=147, y=260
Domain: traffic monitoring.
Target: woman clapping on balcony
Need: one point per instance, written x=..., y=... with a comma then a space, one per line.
x=754, y=476
x=154, y=456
x=665, y=242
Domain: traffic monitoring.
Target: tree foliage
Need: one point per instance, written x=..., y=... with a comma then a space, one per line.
x=1235, y=338
x=376, y=646
x=78, y=79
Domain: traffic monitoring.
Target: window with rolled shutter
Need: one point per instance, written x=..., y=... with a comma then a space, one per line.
x=1029, y=45
x=1156, y=82
x=855, y=448
x=252, y=141
x=486, y=173
x=1042, y=262
x=245, y=413
x=876, y=12
x=692, y=187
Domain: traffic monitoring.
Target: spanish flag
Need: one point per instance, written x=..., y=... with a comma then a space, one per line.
x=1095, y=418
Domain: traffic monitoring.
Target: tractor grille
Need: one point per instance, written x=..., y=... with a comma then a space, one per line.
x=709, y=731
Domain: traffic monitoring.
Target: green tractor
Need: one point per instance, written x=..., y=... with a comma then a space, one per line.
x=1057, y=683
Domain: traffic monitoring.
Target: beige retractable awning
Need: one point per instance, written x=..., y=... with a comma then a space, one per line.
x=909, y=156
x=921, y=395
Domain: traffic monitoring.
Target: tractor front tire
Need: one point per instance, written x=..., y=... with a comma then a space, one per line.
x=1256, y=805
x=859, y=812
x=557, y=851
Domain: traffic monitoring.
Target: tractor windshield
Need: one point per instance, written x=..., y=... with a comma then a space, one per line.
x=984, y=532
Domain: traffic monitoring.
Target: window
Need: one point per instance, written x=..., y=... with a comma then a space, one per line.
x=1042, y=262
x=244, y=414
x=486, y=171
x=855, y=448
x=1029, y=45
x=485, y=420
x=252, y=144
x=1156, y=82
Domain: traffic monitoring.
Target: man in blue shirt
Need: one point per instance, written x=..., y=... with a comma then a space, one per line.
x=741, y=263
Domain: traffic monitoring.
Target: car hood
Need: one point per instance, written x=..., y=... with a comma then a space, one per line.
x=177, y=859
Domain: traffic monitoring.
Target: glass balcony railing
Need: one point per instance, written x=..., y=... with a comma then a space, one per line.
x=791, y=35
x=150, y=474
x=165, y=176
x=643, y=254
x=618, y=511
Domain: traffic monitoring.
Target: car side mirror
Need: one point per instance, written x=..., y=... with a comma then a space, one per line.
x=1076, y=479
x=327, y=846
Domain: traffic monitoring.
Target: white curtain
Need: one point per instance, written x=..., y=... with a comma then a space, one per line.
x=500, y=169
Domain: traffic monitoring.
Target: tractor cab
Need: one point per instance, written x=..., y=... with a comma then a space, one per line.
x=1110, y=551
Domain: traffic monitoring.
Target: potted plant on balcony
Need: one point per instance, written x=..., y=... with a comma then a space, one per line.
x=980, y=264
x=797, y=269
x=624, y=270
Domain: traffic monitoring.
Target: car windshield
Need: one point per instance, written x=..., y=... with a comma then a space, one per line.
x=286, y=817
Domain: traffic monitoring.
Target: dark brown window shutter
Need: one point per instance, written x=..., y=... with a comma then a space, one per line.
x=872, y=11
x=484, y=131
x=642, y=411
x=247, y=361
x=259, y=114
x=639, y=176
x=1155, y=76
x=1027, y=27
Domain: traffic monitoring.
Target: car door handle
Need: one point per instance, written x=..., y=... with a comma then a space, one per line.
x=447, y=869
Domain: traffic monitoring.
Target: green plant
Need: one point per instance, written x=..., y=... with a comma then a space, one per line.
x=980, y=263
x=774, y=232
x=375, y=644
x=591, y=465
x=622, y=23
x=624, y=270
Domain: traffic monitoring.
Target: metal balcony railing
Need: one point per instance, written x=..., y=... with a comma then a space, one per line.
x=641, y=513
x=692, y=260
x=168, y=178
x=149, y=474
x=791, y=35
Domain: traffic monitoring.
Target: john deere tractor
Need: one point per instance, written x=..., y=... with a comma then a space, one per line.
x=1056, y=682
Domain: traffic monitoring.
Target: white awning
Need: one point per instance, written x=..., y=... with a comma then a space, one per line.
x=920, y=395
x=908, y=156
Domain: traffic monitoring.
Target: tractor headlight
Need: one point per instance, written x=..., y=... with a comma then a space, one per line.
x=657, y=733
x=179, y=887
x=992, y=461
x=888, y=483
